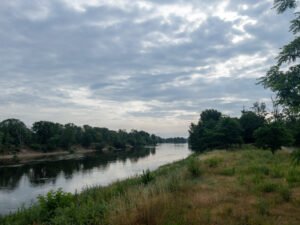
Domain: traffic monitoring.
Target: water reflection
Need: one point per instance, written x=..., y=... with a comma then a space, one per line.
x=22, y=184
x=45, y=172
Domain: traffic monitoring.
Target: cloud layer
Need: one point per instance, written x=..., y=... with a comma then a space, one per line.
x=151, y=65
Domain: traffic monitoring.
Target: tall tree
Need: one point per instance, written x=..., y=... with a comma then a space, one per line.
x=286, y=83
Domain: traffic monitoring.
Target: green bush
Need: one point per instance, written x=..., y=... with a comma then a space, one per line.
x=52, y=201
x=293, y=176
x=277, y=172
x=194, y=167
x=213, y=162
x=296, y=157
x=147, y=177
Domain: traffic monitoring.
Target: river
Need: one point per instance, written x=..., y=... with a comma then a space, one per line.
x=20, y=185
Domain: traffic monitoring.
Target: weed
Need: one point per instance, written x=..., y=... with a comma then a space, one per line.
x=263, y=207
x=147, y=177
x=268, y=187
x=213, y=162
x=293, y=176
x=285, y=193
x=194, y=167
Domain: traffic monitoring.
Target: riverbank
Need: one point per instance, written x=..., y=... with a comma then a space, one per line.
x=219, y=187
x=26, y=156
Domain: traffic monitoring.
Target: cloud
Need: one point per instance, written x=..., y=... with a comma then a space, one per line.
x=151, y=65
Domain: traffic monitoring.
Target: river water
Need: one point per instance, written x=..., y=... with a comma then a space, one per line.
x=20, y=185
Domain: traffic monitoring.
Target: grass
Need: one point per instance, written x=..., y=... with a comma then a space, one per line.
x=250, y=187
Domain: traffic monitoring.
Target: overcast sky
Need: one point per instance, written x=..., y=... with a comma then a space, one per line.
x=151, y=65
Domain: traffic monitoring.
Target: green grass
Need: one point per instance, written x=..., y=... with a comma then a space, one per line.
x=219, y=187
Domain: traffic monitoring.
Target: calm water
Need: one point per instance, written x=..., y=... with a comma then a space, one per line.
x=22, y=184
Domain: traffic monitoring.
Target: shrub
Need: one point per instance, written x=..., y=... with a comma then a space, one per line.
x=213, y=162
x=272, y=136
x=147, y=177
x=277, y=172
x=52, y=201
x=293, y=176
x=194, y=167
x=296, y=157
x=261, y=170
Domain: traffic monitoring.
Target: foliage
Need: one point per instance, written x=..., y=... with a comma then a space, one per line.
x=296, y=157
x=52, y=201
x=194, y=167
x=214, y=131
x=286, y=83
x=147, y=177
x=272, y=136
x=250, y=121
x=48, y=136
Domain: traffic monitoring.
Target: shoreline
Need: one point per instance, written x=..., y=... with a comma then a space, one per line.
x=27, y=156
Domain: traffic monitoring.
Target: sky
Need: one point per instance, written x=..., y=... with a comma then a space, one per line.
x=150, y=65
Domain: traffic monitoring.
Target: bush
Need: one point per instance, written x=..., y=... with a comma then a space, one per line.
x=52, y=201
x=272, y=136
x=296, y=157
x=213, y=162
x=194, y=167
x=293, y=176
x=147, y=177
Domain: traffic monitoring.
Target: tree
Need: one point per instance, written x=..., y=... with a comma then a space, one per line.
x=286, y=83
x=229, y=132
x=214, y=131
x=47, y=134
x=210, y=114
x=272, y=136
x=249, y=122
x=14, y=133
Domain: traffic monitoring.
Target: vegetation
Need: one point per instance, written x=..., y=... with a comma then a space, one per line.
x=49, y=136
x=285, y=82
x=267, y=130
x=219, y=187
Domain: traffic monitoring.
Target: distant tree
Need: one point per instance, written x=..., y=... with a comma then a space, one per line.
x=47, y=134
x=273, y=136
x=250, y=121
x=14, y=133
x=260, y=108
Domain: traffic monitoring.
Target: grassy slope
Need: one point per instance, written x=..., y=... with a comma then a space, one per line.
x=241, y=187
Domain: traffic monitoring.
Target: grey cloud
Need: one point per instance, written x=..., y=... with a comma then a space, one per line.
x=118, y=56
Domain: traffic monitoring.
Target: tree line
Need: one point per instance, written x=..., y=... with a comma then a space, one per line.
x=48, y=136
x=267, y=130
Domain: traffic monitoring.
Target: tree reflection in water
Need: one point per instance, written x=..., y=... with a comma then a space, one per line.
x=45, y=172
